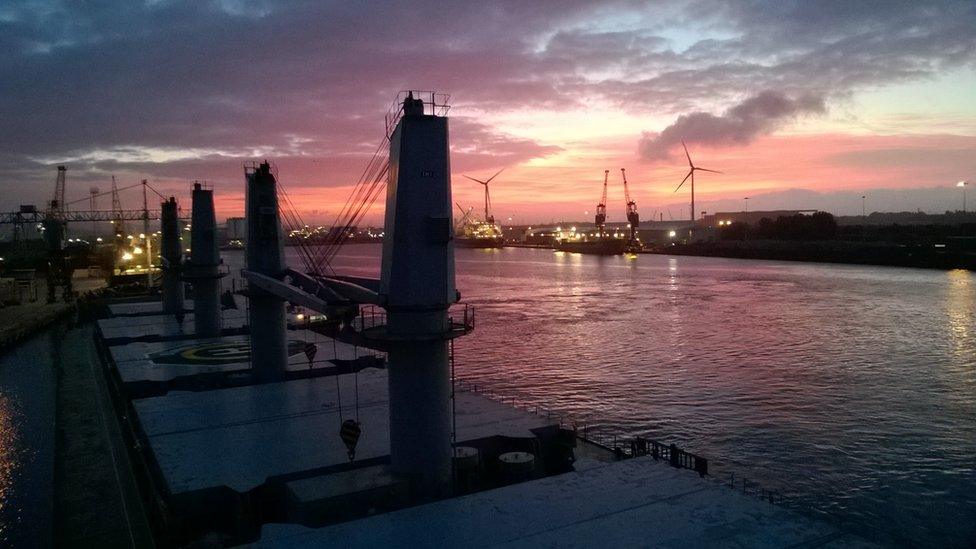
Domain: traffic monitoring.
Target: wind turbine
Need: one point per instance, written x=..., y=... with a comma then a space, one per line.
x=691, y=173
x=488, y=218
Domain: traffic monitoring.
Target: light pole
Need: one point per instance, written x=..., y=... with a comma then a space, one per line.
x=747, y=204
x=963, y=184
x=864, y=219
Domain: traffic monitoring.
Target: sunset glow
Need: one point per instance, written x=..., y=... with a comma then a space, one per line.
x=800, y=108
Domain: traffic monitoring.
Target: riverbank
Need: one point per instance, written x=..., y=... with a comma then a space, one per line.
x=856, y=253
x=19, y=322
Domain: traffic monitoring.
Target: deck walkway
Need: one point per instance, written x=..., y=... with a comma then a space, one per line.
x=631, y=503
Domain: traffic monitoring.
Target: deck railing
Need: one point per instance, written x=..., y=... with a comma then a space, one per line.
x=625, y=447
x=460, y=318
x=435, y=103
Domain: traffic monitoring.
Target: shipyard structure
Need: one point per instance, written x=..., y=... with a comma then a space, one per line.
x=346, y=426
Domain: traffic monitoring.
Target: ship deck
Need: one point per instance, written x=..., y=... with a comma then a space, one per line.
x=631, y=503
x=268, y=456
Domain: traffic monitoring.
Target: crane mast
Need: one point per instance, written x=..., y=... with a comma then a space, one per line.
x=119, y=226
x=601, y=208
x=632, y=217
x=57, y=204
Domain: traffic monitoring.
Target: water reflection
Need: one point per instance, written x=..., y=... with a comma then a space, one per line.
x=960, y=299
x=10, y=463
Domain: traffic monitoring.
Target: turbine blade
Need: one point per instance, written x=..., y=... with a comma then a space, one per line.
x=683, y=180
x=707, y=170
x=494, y=176
x=686, y=154
x=473, y=179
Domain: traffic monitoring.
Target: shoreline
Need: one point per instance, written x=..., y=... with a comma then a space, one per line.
x=838, y=252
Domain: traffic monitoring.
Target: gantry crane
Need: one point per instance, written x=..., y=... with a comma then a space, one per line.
x=601, y=208
x=633, y=219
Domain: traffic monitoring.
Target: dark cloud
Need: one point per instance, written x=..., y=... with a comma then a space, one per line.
x=738, y=125
x=308, y=81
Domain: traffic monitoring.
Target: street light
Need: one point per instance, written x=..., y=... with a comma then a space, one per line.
x=747, y=204
x=863, y=210
x=963, y=184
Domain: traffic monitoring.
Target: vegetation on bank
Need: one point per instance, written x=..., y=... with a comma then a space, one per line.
x=819, y=238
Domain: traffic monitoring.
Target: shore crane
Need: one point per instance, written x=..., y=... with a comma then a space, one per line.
x=633, y=218
x=601, y=208
x=56, y=207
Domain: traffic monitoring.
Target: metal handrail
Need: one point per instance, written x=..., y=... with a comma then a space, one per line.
x=627, y=447
x=372, y=316
x=435, y=103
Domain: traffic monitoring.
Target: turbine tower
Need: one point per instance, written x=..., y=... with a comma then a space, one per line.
x=488, y=217
x=691, y=173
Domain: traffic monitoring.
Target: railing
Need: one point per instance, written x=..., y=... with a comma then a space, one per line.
x=435, y=103
x=460, y=319
x=625, y=447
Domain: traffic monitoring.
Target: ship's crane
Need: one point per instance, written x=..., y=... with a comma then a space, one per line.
x=632, y=217
x=601, y=208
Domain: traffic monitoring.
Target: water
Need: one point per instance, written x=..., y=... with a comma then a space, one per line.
x=27, y=417
x=850, y=390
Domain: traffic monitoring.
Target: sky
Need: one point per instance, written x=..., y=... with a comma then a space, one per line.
x=801, y=104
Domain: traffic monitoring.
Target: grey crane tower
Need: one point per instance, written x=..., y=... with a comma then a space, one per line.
x=203, y=268
x=417, y=284
x=265, y=256
x=172, y=257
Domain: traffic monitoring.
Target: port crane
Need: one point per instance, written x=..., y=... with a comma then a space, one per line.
x=601, y=208
x=633, y=218
x=465, y=214
x=56, y=207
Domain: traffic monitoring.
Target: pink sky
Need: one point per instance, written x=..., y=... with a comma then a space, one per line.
x=801, y=106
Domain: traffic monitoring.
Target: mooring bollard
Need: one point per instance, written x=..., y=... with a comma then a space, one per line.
x=701, y=466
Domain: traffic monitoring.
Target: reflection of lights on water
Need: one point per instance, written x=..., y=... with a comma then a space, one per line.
x=961, y=299
x=10, y=451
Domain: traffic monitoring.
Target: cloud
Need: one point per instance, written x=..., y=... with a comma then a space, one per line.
x=309, y=81
x=738, y=125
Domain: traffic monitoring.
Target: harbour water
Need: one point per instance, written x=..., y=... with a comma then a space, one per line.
x=808, y=379
x=27, y=434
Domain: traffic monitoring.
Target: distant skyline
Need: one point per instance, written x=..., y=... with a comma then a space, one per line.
x=802, y=104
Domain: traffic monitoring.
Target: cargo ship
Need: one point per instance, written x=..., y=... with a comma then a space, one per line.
x=479, y=234
x=245, y=425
